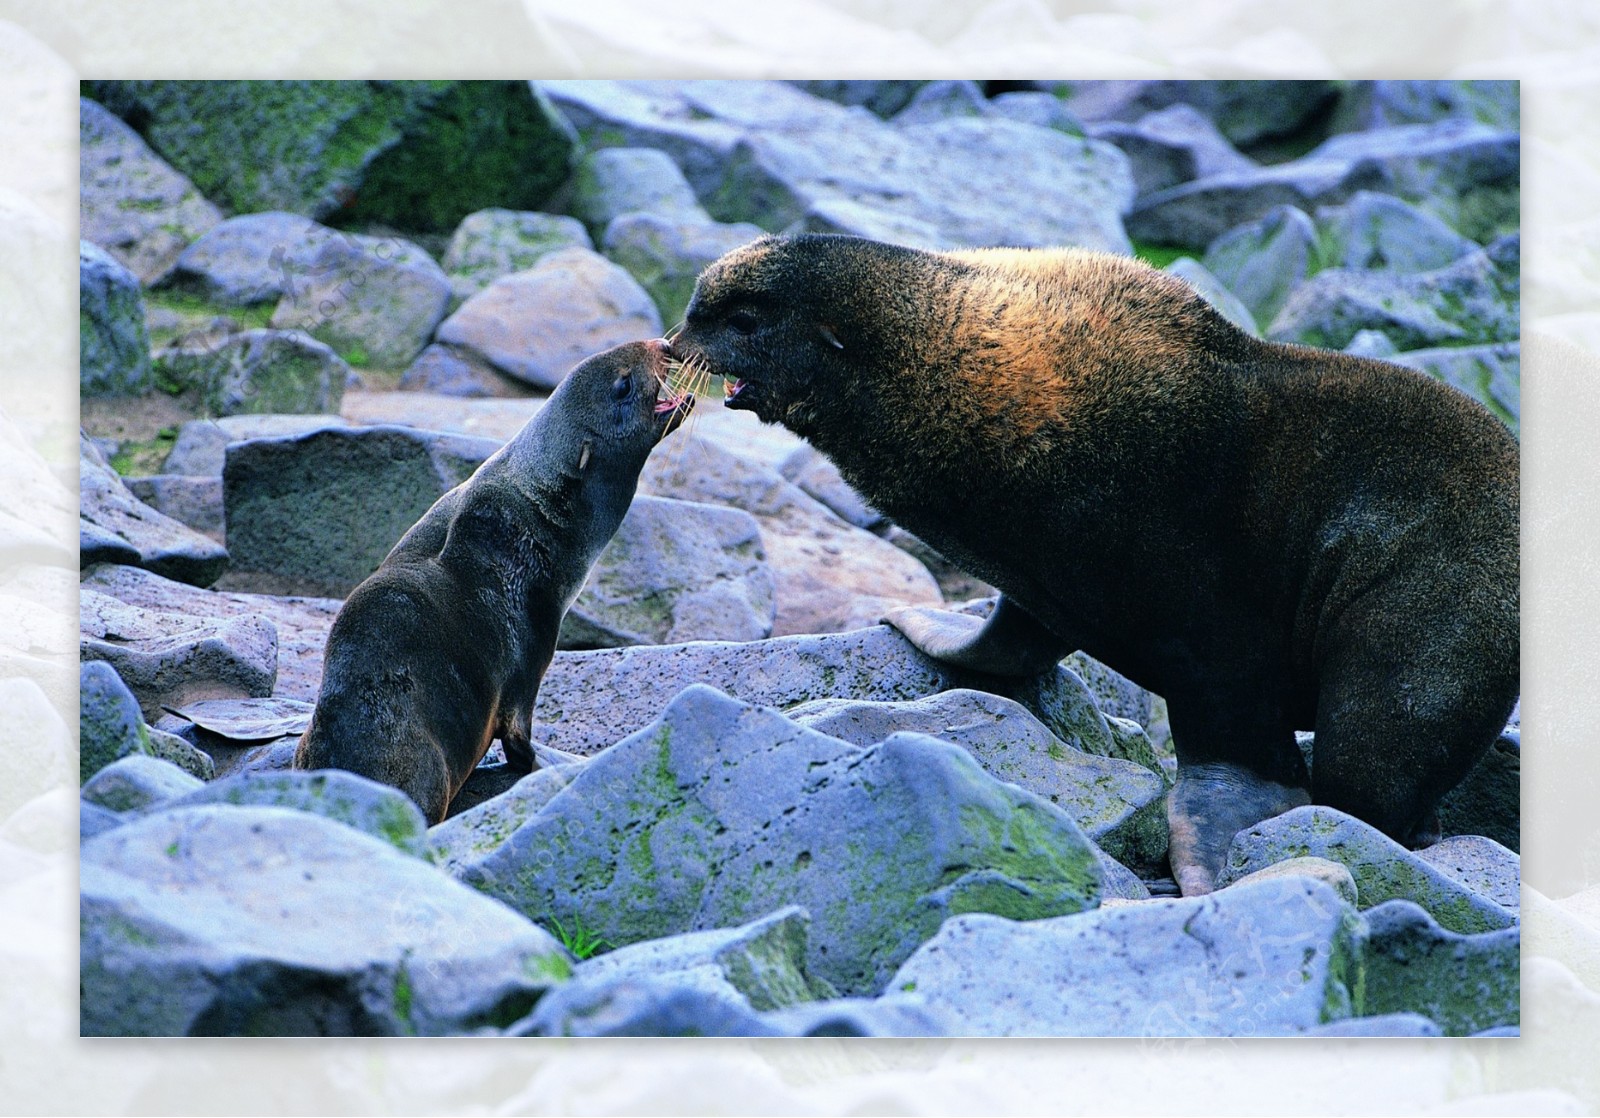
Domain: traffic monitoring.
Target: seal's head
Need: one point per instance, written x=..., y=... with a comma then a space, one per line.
x=618, y=404
x=781, y=319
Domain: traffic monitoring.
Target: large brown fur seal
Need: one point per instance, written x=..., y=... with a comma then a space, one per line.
x=1272, y=537
x=442, y=649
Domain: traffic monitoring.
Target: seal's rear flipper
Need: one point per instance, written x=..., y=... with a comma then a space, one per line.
x=1011, y=642
x=1210, y=804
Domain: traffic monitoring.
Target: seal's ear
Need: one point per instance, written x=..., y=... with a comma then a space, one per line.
x=583, y=455
x=827, y=332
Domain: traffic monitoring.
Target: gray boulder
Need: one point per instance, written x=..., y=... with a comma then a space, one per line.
x=1196, y=213
x=1172, y=146
x=1490, y=374
x=1371, y=343
x=1264, y=260
x=375, y=809
x=885, y=98
x=590, y=699
x=1461, y=172
x=1042, y=110
x=1118, y=804
x=1212, y=289
x=745, y=981
x=110, y=725
x=1383, y=869
x=1271, y=958
x=272, y=371
x=944, y=100
x=237, y=921
x=1466, y=983
x=1330, y=873
x=691, y=1004
x=1388, y=1024
x=675, y=571
x=452, y=370
x=181, y=752
x=494, y=243
x=201, y=445
x=666, y=254
x=136, y=782
x=1482, y=865
x=614, y=181
x=1380, y=231
x=816, y=474
x=168, y=659
x=113, y=344
x=249, y=259
x=762, y=962
x=114, y=526
x=470, y=835
x=536, y=325
x=410, y=155
x=829, y=576
x=374, y=300
x=1243, y=111
x=1465, y=173
x=1471, y=301
x=302, y=624
x=720, y=812
x=316, y=513
x=195, y=502
x=130, y=202
x=95, y=820
x=766, y=153
x=1385, y=104
x=1489, y=801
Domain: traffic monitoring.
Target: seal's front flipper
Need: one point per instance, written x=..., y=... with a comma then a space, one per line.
x=1210, y=804
x=1011, y=642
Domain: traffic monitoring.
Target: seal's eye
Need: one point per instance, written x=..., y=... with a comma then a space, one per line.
x=742, y=322
x=620, y=388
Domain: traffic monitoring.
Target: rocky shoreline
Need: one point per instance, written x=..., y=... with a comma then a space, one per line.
x=758, y=812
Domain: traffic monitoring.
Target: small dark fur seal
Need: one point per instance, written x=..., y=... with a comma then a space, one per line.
x=1272, y=537
x=442, y=649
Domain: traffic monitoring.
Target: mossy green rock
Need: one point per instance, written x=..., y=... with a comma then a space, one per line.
x=1472, y=301
x=261, y=921
x=316, y=513
x=109, y=723
x=115, y=526
x=374, y=300
x=1118, y=804
x=1490, y=374
x=494, y=243
x=137, y=782
x=412, y=155
x=1263, y=260
x=1466, y=983
x=720, y=812
x=760, y=965
x=478, y=831
x=376, y=809
x=666, y=254
x=1383, y=869
x=611, y=182
x=1380, y=231
x=130, y=202
x=260, y=371
x=113, y=344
